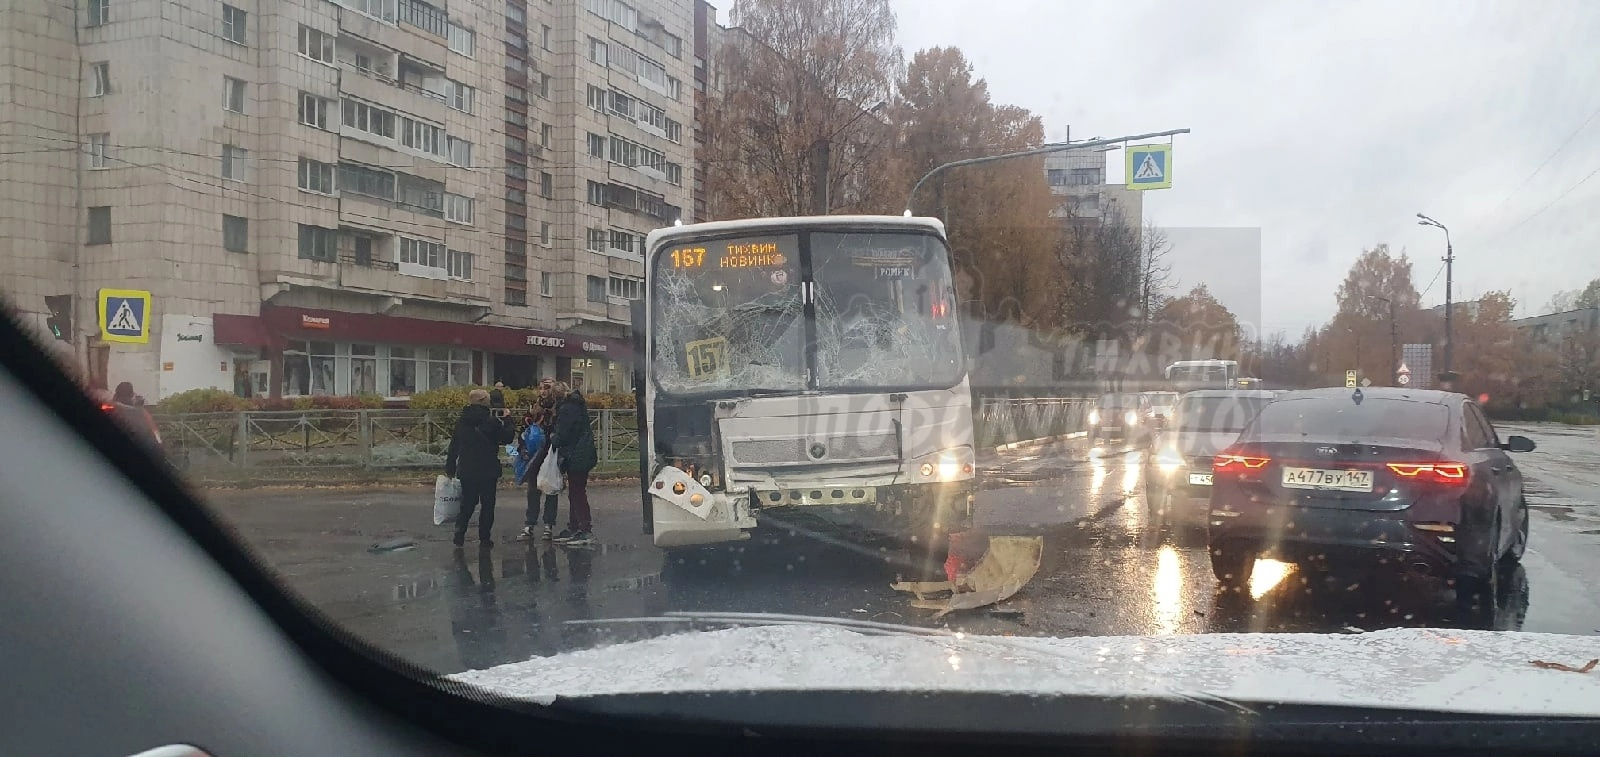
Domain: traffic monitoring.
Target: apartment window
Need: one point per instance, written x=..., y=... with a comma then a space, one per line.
x=314, y=110
x=99, y=148
x=544, y=86
x=621, y=104
x=597, y=145
x=516, y=93
x=623, y=151
x=652, y=116
x=597, y=98
x=458, y=208
x=516, y=170
x=516, y=297
x=459, y=151
x=547, y=284
x=516, y=145
x=423, y=16
x=316, y=176
x=622, y=240
x=597, y=289
x=516, y=222
x=99, y=231
x=232, y=94
x=516, y=118
x=99, y=78
x=544, y=233
x=99, y=13
x=597, y=240
x=459, y=265
x=544, y=36
x=421, y=252
x=515, y=12
x=516, y=197
x=316, y=45
x=369, y=182
x=547, y=185
x=422, y=136
x=461, y=39
x=546, y=134
x=379, y=9
x=458, y=95
x=674, y=131
x=368, y=118
x=674, y=174
x=516, y=250
x=233, y=24
x=516, y=47
x=235, y=233
x=421, y=195
x=674, y=87
x=597, y=193
x=597, y=51
x=624, y=287
x=317, y=243
x=234, y=159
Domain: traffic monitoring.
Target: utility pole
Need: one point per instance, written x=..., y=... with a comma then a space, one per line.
x=1449, y=274
x=1394, y=338
x=820, y=150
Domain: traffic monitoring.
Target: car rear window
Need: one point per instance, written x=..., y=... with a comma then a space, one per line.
x=1118, y=400
x=1342, y=418
x=1218, y=413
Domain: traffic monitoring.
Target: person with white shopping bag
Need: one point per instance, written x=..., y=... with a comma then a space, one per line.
x=575, y=456
x=543, y=420
x=475, y=453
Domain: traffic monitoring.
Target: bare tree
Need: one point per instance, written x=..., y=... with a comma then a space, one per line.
x=1155, y=276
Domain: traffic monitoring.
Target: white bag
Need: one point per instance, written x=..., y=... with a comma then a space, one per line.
x=549, y=480
x=446, y=500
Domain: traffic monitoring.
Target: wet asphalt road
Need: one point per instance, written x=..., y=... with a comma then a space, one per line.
x=1106, y=570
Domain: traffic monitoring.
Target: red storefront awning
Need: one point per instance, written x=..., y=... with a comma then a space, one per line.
x=336, y=326
x=242, y=330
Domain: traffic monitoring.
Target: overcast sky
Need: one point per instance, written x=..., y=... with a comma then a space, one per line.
x=1327, y=126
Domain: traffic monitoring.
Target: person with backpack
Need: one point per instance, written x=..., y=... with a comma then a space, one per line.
x=574, y=444
x=475, y=454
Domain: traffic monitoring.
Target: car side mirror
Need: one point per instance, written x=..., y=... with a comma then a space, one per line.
x=1518, y=444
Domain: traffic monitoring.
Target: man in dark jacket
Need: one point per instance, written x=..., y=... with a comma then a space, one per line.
x=475, y=455
x=574, y=442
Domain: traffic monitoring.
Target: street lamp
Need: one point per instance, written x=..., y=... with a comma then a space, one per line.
x=1449, y=266
x=821, y=150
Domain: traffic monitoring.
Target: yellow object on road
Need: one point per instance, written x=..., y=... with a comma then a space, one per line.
x=1008, y=565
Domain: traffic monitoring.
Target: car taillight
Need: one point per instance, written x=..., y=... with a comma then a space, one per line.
x=1232, y=463
x=107, y=407
x=1438, y=473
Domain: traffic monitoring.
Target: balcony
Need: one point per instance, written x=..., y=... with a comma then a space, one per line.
x=385, y=280
x=402, y=38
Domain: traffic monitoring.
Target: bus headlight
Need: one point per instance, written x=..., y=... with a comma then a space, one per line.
x=1131, y=418
x=1094, y=417
x=955, y=464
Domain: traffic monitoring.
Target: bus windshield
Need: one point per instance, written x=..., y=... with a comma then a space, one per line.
x=727, y=315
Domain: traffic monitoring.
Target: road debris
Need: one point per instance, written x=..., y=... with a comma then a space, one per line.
x=1007, y=566
x=1567, y=668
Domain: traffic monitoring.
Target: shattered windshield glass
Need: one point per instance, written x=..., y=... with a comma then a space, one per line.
x=885, y=311
x=728, y=316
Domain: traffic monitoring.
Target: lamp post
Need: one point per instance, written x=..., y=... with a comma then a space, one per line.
x=820, y=156
x=1449, y=266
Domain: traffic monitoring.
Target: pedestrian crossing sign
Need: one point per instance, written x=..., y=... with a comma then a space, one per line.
x=1149, y=167
x=124, y=316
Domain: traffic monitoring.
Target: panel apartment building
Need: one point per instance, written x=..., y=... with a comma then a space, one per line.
x=328, y=197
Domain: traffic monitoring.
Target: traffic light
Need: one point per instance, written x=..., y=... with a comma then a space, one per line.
x=60, y=319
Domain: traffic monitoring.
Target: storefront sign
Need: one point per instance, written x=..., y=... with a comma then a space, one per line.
x=546, y=341
x=315, y=322
x=593, y=347
x=191, y=337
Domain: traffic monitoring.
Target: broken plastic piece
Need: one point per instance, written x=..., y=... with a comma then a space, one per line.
x=1008, y=565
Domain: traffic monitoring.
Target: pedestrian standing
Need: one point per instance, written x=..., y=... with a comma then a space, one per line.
x=497, y=396
x=475, y=454
x=574, y=443
x=542, y=418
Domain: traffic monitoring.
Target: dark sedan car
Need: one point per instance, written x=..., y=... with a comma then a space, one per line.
x=1416, y=480
x=1178, y=474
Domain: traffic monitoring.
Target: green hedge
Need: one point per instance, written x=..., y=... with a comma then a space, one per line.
x=222, y=401
x=454, y=397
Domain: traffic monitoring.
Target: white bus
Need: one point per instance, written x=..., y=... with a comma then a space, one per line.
x=1188, y=375
x=803, y=367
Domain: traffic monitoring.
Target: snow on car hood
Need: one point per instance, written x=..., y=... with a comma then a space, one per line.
x=1482, y=672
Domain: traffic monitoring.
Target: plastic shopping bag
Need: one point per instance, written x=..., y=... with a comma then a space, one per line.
x=550, y=474
x=446, y=500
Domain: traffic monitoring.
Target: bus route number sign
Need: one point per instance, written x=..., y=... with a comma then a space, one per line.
x=707, y=359
x=689, y=257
